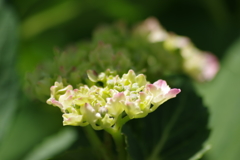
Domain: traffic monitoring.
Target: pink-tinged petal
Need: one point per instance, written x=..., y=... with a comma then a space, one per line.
x=162, y=93
x=73, y=119
x=142, y=95
x=210, y=67
x=173, y=93
x=68, y=91
x=70, y=97
x=69, y=87
x=115, y=105
x=109, y=100
x=89, y=108
x=119, y=96
x=56, y=103
x=152, y=88
x=163, y=86
x=160, y=83
x=52, y=88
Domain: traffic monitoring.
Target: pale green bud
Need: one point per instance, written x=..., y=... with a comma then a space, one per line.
x=91, y=115
x=141, y=80
x=92, y=75
x=103, y=110
x=114, y=105
x=102, y=76
x=132, y=109
x=73, y=120
x=108, y=121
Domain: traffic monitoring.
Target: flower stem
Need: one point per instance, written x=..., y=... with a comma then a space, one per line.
x=120, y=145
x=96, y=142
x=118, y=137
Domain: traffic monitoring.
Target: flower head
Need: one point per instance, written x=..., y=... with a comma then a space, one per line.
x=128, y=97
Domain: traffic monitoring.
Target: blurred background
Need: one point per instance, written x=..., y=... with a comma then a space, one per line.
x=31, y=29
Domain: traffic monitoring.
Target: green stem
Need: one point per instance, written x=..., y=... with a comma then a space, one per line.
x=118, y=137
x=123, y=121
x=119, y=142
x=96, y=142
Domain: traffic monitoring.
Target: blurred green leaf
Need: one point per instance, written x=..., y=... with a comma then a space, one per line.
x=8, y=83
x=222, y=96
x=53, y=145
x=50, y=18
x=121, y=9
x=32, y=124
x=176, y=130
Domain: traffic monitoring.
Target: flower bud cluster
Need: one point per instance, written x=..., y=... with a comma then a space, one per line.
x=128, y=97
x=200, y=65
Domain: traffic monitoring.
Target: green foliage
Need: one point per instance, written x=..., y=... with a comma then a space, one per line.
x=53, y=145
x=30, y=128
x=222, y=95
x=176, y=130
x=8, y=84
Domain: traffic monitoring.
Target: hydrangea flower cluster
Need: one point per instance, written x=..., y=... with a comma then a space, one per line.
x=113, y=103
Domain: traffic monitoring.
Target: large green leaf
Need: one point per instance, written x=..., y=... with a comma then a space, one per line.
x=222, y=96
x=176, y=130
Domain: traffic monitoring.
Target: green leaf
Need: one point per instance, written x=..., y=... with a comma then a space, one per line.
x=222, y=96
x=31, y=125
x=176, y=130
x=53, y=145
x=8, y=83
x=50, y=18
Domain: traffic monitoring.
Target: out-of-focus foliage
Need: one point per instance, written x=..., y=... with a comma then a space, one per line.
x=8, y=85
x=174, y=131
x=222, y=95
x=53, y=145
x=25, y=125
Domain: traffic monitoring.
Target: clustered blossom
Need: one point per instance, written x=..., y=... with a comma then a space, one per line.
x=203, y=66
x=200, y=65
x=128, y=97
